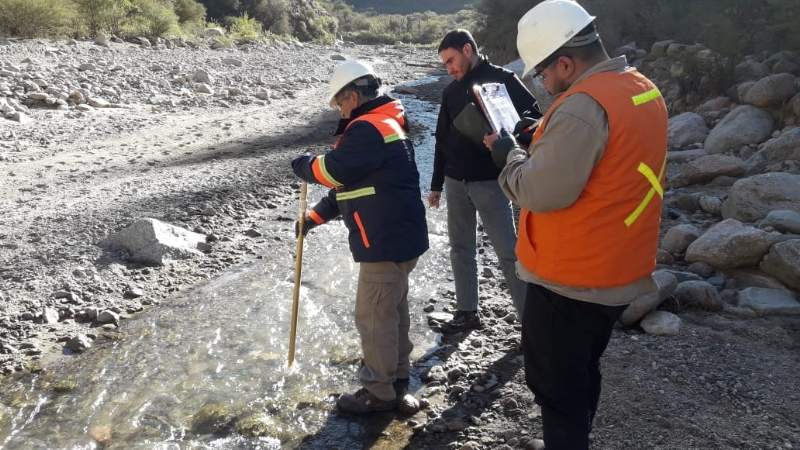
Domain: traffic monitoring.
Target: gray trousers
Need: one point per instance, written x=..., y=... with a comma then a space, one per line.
x=382, y=321
x=486, y=198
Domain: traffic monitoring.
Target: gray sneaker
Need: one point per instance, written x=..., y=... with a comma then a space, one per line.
x=362, y=402
x=462, y=321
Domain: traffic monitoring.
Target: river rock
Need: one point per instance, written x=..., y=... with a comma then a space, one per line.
x=49, y=316
x=108, y=316
x=745, y=278
x=769, y=301
x=710, y=204
x=743, y=126
x=699, y=294
x=203, y=88
x=786, y=146
x=730, y=244
x=102, y=40
x=79, y=343
x=706, y=168
x=750, y=70
x=783, y=220
x=641, y=306
x=98, y=102
x=213, y=418
x=783, y=262
x=686, y=129
x=751, y=199
x=771, y=91
x=232, y=62
x=151, y=241
x=678, y=238
x=201, y=76
x=214, y=32
x=661, y=323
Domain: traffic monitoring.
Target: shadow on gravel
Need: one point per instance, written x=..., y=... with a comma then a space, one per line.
x=471, y=404
x=318, y=131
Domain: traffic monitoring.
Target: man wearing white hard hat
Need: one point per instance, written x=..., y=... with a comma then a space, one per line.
x=374, y=187
x=590, y=187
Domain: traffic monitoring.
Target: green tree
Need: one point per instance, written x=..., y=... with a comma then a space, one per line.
x=32, y=18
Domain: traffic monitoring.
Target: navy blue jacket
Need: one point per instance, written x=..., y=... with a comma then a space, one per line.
x=374, y=184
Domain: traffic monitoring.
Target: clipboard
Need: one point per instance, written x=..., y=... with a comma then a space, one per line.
x=471, y=123
x=496, y=105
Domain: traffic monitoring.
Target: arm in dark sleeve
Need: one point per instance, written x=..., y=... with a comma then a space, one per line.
x=327, y=209
x=355, y=157
x=521, y=97
x=442, y=132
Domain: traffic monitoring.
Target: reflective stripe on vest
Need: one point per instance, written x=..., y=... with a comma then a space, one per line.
x=648, y=96
x=358, y=193
x=388, y=127
x=321, y=173
x=655, y=182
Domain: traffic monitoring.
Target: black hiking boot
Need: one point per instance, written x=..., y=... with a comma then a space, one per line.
x=462, y=321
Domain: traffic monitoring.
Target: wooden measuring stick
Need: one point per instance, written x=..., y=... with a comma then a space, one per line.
x=298, y=270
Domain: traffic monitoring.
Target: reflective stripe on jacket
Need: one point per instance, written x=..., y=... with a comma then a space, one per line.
x=375, y=185
x=609, y=236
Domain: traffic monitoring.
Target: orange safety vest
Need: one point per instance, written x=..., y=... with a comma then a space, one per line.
x=609, y=236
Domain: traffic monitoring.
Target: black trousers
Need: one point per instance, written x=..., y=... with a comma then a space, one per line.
x=563, y=340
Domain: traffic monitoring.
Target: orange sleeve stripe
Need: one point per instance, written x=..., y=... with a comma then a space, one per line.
x=320, y=175
x=316, y=217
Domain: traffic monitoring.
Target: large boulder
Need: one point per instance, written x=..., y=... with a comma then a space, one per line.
x=743, y=126
x=699, y=294
x=678, y=238
x=666, y=284
x=783, y=262
x=687, y=129
x=771, y=91
x=730, y=244
x=745, y=278
x=769, y=301
x=751, y=199
x=706, y=168
x=151, y=241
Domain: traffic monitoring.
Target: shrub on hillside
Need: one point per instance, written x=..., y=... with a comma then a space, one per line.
x=189, y=11
x=103, y=15
x=32, y=18
x=244, y=27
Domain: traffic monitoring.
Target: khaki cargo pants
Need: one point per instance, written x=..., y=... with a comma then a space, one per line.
x=382, y=321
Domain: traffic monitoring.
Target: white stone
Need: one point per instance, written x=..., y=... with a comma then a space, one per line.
x=151, y=241
x=666, y=284
x=661, y=323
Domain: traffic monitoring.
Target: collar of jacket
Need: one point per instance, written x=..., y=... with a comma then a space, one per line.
x=483, y=62
x=377, y=106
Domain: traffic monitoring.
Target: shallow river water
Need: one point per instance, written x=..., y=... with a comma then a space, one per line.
x=221, y=348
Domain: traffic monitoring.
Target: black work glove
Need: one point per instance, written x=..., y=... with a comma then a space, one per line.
x=502, y=147
x=524, y=130
x=308, y=224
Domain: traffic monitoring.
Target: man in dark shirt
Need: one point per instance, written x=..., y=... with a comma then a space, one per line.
x=463, y=168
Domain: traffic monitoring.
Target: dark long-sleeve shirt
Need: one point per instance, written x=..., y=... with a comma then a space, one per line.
x=456, y=155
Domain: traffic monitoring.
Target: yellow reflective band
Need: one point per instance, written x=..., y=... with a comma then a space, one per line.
x=645, y=170
x=392, y=138
x=326, y=173
x=656, y=188
x=398, y=130
x=349, y=195
x=648, y=96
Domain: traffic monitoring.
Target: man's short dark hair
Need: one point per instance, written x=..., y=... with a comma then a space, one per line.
x=586, y=53
x=457, y=39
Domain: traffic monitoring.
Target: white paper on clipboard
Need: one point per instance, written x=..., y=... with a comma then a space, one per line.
x=496, y=104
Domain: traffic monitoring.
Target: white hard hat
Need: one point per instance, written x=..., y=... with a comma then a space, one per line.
x=549, y=26
x=344, y=74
